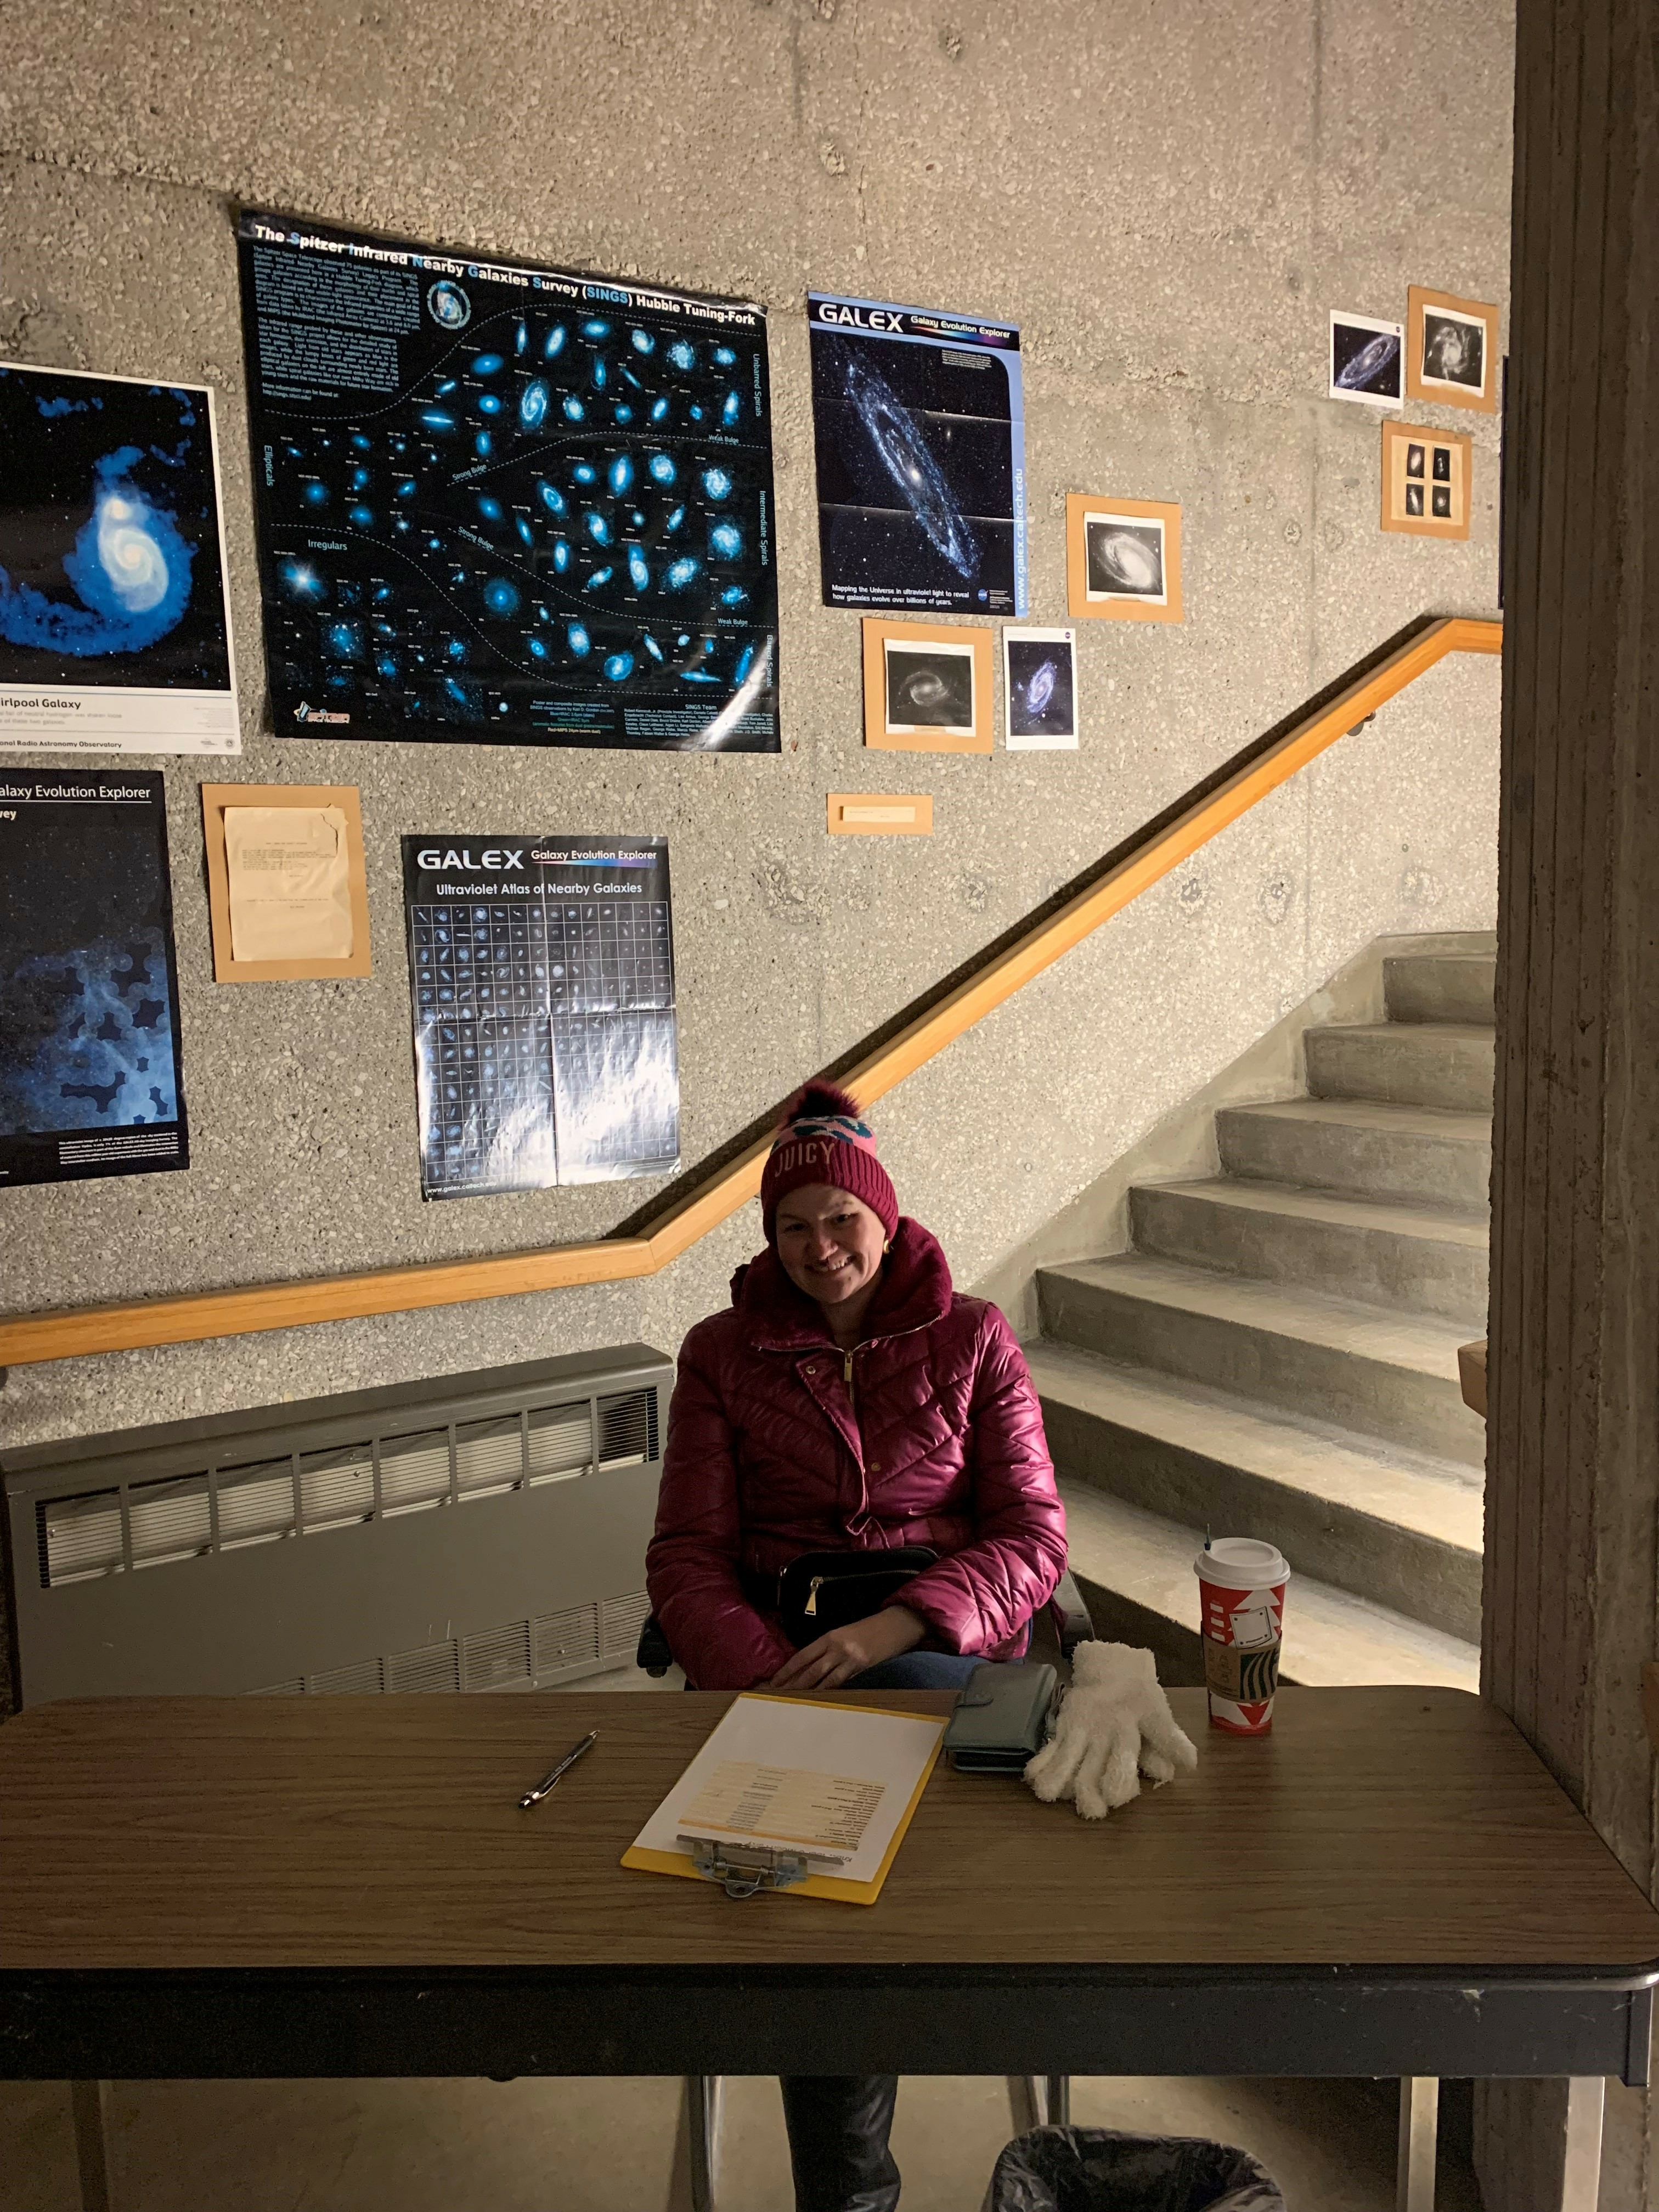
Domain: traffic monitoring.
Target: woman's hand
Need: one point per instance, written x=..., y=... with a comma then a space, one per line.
x=831, y=1660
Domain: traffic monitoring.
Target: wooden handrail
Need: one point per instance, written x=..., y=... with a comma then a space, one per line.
x=131, y=1323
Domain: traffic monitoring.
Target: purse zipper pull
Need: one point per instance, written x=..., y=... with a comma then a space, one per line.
x=813, y=1589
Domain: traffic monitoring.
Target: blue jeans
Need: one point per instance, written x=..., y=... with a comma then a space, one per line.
x=917, y=1670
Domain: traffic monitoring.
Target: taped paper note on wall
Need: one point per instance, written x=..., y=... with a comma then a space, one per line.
x=291, y=894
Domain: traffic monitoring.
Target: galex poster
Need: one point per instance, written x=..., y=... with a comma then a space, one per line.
x=919, y=427
x=504, y=504
x=541, y=975
x=89, y=1082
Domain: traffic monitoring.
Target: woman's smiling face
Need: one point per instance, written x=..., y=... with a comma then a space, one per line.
x=830, y=1243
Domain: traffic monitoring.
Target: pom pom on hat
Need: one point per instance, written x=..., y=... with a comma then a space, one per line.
x=825, y=1138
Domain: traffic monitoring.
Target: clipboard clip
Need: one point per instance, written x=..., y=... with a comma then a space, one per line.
x=745, y=1869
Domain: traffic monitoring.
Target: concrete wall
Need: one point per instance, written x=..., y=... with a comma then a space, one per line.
x=1168, y=195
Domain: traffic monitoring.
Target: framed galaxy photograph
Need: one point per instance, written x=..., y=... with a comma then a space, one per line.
x=919, y=430
x=1451, y=350
x=927, y=687
x=1366, y=360
x=88, y=982
x=507, y=505
x=1122, y=559
x=1039, y=689
x=114, y=620
x=1426, y=478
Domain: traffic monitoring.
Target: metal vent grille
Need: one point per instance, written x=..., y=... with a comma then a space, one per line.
x=434, y=1667
x=520, y=1655
x=224, y=1508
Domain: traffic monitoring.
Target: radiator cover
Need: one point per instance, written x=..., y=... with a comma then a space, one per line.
x=467, y=1532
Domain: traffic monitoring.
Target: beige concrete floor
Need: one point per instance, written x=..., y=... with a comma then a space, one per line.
x=607, y=2146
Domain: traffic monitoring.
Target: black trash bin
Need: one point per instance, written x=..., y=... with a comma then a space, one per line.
x=1100, y=2170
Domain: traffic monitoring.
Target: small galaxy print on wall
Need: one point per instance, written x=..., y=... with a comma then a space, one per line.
x=1039, y=689
x=919, y=435
x=1367, y=361
x=507, y=505
x=114, y=629
x=89, y=985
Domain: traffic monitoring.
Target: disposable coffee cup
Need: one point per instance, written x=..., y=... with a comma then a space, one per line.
x=1241, y=1584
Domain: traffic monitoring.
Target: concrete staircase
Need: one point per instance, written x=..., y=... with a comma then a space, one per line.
x=1276, y=1356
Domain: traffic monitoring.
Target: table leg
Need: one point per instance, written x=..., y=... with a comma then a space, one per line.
x=90, y=2104
x=696, y=2145
x=1581, y=2173
x=1025, y=2101
x=1419, y=2119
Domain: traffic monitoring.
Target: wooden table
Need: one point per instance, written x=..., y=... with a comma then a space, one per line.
x=1389, y=1884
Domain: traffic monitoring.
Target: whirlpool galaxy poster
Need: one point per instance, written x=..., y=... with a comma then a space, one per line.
x=88, y=986
x=507, y=505
x=920, y=428
x=542, y=973
x=114, y=625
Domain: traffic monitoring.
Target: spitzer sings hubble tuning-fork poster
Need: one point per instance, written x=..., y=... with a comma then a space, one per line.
x=920, y=433
x=504, y=504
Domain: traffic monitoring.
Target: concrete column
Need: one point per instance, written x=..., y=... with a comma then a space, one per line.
x=1573, y=1432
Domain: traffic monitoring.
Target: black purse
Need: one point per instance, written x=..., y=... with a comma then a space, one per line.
x=821, y=1590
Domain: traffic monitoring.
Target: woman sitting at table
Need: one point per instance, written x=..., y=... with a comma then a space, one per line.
x=849, y=1402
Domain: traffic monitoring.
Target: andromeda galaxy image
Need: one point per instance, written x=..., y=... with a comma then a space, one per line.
x=111, y=575
x=88, y=987
x=1367, y=359
x=919, y=432
x=507, y=505
x=541, y=975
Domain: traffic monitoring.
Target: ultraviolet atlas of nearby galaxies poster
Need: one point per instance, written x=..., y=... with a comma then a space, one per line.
x=114, y=624
x=919, y=428
x=542, y=981
x=504, y=504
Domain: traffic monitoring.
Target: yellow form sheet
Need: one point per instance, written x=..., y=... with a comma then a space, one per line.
x=836, y=1783
x=289, y=876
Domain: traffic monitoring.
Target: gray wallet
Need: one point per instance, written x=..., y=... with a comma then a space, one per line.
x=1000, y=1719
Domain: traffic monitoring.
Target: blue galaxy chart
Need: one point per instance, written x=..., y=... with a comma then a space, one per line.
x=89, y=984
x=541, y=975
x=503, y=505
x=114, y=627
x=919, y=427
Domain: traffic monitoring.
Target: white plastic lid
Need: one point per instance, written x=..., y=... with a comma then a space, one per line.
x=1242, y=1562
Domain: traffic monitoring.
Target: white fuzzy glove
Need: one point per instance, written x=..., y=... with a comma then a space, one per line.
x=1114, y=1725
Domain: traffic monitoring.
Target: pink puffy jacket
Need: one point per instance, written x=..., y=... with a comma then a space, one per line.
x=929, y=1432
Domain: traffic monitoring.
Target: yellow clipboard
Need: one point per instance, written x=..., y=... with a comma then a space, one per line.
x=836, y=1887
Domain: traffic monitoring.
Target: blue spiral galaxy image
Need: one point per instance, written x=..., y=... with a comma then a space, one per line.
x=1042, y=687
x=1366, y=362
x=549, y=521
x=110, y=567
x=919, y=435
x=89, y=1082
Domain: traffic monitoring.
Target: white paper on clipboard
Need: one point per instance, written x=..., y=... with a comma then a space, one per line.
x=799, y=1748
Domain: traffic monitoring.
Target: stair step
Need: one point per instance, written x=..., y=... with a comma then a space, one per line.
x=1425, y=1260
x=1136, y=1572
x=1440, y=987
x=1447, y=1064
x=1404, y=1533
x=1364, y=1146
x=1392, y=1375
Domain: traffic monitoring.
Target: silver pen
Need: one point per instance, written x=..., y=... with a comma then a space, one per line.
x=547, y=1781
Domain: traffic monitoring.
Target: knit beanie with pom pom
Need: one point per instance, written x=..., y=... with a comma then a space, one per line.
x=824, y=1138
